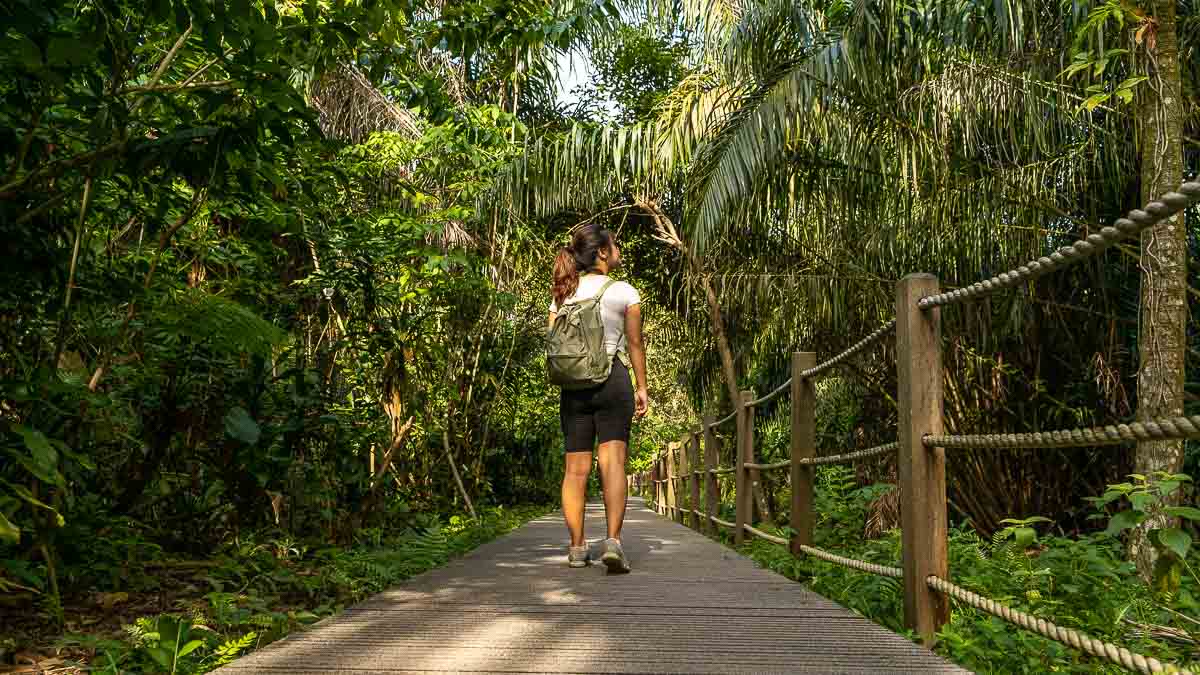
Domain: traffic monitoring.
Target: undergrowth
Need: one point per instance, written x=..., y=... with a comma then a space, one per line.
x=251, y=593
x=1081, y=582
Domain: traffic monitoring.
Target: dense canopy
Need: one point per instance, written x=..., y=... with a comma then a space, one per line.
x=277, y=274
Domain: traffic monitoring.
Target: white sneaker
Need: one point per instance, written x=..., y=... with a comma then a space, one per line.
x=614, y=557
x=578, y=556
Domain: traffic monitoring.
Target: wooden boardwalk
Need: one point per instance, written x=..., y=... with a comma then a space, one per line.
x=691, y=605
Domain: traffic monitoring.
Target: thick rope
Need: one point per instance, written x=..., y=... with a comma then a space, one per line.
x=769, y=537
x=767, y=467
x=860, y=565
x=851, y=456
x=723, y=420
x=718, y=521
x=1156, y=429
x=884, y=331
x=857, y=347
x=1123, y=228
x=1067, y=636
x=716, y=472
x=777, y=391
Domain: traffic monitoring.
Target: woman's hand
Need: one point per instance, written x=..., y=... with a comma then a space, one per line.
x=641, y=402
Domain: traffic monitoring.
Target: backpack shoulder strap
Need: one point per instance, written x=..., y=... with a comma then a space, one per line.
x=604, y=288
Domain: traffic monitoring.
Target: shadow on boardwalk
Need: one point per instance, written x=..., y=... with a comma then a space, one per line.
x=690, y=605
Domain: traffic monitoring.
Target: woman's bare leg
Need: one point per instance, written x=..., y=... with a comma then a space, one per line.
x=574, y=493
x=612, y=475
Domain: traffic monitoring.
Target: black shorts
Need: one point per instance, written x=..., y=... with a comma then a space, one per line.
x=599, y=414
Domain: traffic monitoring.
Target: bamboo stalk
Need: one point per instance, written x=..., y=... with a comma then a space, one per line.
x=457, y=479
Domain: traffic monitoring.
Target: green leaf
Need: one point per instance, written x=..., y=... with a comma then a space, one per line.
x=24, y=493
x=1140, y=500
x=161, y=656
x=1024, y=536
x=42, y=460
x=239, y=425
x=1132, y=82
x=1123, y=521
x=1176, y=540
x=306, y=617
x=1190, y=512
x=9, y=532
x=189, y=648
x=1094, y=101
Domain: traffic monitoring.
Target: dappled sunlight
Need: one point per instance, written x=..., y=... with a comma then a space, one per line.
x=513, y=605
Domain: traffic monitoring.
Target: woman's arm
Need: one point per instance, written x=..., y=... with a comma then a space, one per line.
x=637, y=354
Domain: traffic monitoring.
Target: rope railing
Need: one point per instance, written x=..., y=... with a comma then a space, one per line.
x=1123, y=228
x=723, y=420
x=1067, y=636
x=763, y=535
x=851, y=456
x=1157, y=429
x=767, y=467
x=921, y=478
x=853, y=563
x=776, y=392
x=832, y=361
x=885, y=330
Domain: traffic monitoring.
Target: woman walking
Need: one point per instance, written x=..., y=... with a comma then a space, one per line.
x=599, y=410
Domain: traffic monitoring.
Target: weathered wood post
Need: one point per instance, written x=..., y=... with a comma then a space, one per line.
x=654, y=484
x=684, y=475
x=695, y=465
x=804, y=445
x=672, y=503
x=922, y=470
x=664, y=470
x=712, y=493
x=658, y=485
x=744, y=499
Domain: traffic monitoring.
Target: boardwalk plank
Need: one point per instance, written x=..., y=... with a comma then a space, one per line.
x=691, y=605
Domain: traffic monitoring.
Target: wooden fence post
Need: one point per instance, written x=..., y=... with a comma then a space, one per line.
x=712, y=493
x=672, y=501
x=744, y=498
x=661, y=465
x=804, y=446
x=695, y=464
x=653, y=485
x=658, y=484
x=684, y=469
x=922, y=470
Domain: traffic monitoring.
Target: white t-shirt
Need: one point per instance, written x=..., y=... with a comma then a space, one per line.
x=619, y=297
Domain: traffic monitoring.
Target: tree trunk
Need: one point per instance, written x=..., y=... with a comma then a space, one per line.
x=1162, y=342
x=669, y=235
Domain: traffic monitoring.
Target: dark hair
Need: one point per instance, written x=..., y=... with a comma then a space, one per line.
x=580, y=256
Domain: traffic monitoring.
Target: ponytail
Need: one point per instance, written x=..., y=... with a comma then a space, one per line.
x=566, y=276
x=580, y=256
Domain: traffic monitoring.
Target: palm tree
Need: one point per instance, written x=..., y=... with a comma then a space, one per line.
x=823, y=149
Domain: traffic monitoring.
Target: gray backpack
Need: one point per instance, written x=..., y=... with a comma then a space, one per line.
x=575, y=354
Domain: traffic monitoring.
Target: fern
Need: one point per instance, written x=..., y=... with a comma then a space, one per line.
x=221, y=324
x=231, y=649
